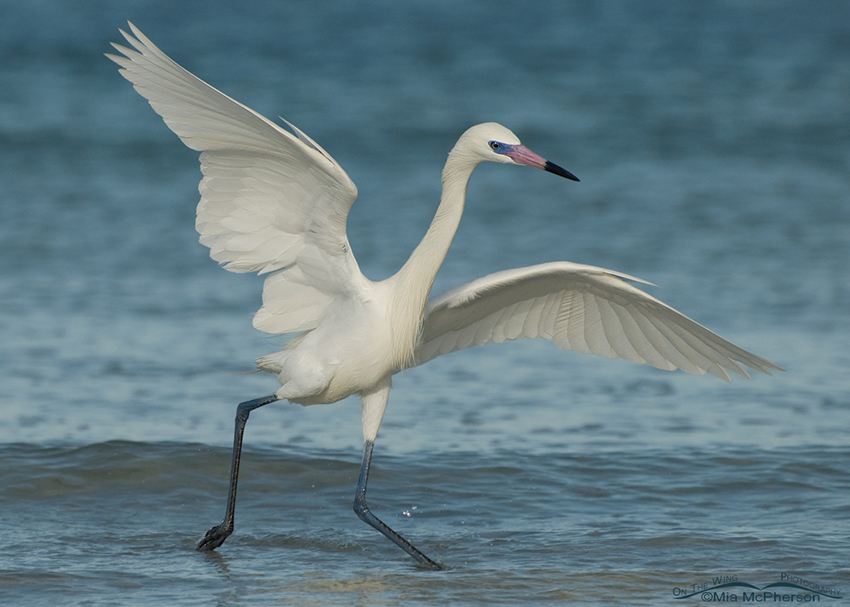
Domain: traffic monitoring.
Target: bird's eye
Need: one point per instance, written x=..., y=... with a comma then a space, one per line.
x=495, y=145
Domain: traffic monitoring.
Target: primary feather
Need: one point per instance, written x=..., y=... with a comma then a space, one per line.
x=582, y=308
x=270, y=201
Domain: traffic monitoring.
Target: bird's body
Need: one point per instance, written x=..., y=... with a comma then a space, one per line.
x=276, y=203
x=328, y=364
x=372, y=329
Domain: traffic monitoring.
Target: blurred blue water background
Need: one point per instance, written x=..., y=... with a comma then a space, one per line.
x=713, y=144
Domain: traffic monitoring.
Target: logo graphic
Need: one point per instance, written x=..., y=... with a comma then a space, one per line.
x=729, y=589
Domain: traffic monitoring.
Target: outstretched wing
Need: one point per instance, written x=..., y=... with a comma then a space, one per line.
x=581, y=308
x=271, y=201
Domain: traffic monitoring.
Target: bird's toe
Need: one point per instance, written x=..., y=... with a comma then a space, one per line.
x=214, y=538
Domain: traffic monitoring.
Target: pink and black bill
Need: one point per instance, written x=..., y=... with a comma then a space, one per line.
x=522, y=155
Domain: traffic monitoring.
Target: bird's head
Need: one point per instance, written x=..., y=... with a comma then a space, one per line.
x=494, y=143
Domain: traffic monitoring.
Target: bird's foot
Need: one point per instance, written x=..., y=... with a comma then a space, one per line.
x=215, y=537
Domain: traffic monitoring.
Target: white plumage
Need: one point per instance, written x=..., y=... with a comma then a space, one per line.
x=583, y=308
x=274, y=202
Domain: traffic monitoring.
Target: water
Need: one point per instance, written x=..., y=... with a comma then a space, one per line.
x=712, y=144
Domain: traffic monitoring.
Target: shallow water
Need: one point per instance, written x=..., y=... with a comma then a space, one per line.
x=117, y=521
x=712, y=144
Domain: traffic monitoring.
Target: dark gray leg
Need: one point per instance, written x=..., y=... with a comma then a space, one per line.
x=362, y=510
x=215, y=537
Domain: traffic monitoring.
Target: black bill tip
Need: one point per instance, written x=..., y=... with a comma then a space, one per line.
x=551, y=167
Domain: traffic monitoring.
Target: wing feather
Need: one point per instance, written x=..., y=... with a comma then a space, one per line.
x=271, y=200
x=582, y=308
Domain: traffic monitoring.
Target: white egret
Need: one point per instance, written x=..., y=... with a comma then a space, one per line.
x=275, y=203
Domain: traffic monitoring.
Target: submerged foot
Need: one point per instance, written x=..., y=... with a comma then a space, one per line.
x=214, y=538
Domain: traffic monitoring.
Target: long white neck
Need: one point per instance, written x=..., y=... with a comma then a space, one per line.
x=412, y=284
